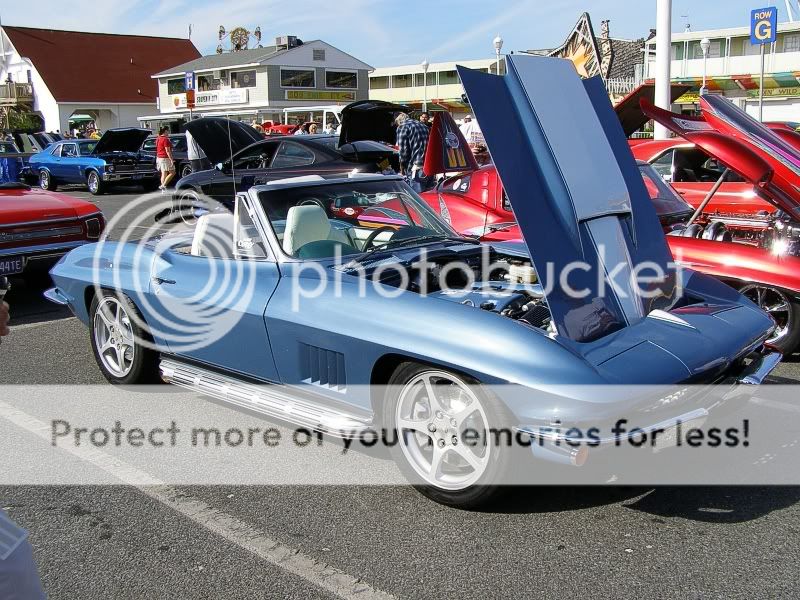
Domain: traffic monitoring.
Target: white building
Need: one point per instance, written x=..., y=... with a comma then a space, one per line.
x=64, y=76
x=259, y=83
x=406, y=84
x=733, y=67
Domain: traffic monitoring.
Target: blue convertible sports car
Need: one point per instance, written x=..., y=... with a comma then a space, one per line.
x=99, y=164
x=294, y=306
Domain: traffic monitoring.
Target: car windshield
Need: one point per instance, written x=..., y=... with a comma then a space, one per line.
x=665, y=199
x=86, y=148
x=310, y=222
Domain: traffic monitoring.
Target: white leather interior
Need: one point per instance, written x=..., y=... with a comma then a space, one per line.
x=305, y=224
x=213, y=236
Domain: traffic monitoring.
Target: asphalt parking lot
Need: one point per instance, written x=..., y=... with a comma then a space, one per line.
x=364, y=542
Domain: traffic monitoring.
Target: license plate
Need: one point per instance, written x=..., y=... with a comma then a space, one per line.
x=13, y=265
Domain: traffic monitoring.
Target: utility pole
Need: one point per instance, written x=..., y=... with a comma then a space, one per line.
x=663, y=95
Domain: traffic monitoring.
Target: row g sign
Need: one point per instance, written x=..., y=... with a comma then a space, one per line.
x=763, y=25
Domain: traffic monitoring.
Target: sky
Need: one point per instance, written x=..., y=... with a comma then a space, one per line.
x=383, y=32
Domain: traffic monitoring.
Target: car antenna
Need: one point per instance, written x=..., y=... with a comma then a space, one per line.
x=230, y=151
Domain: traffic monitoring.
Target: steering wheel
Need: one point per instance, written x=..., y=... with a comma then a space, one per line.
x=313, y=202
x=371, y=239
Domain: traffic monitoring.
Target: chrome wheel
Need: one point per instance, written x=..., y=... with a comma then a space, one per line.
x=93, y=182
x=776, y=304
x=113, y=337
x=433, y=412
x=44, y=180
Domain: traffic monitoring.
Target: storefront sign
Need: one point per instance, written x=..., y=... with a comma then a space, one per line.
x=224, y=96
x=776, y=92
x=763, y=26
x=175, y=101
x=315, y=95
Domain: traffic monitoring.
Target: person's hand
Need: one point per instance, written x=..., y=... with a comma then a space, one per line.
x=4, y=316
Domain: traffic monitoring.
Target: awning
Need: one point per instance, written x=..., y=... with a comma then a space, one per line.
x=164, y=117
x=785, y=83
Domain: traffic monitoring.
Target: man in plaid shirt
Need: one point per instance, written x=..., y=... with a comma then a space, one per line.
x=412, y=140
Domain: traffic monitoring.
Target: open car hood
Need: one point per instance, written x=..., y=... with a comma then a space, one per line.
x=629, y=110
x=760, y=155
x=370, y=120
x=575, y=190
x=127, y=139
x=221, y=138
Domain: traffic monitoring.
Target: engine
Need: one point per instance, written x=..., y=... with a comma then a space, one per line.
x=475, y=277
x=774, y=232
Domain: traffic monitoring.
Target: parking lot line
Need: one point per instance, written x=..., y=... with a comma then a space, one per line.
x=320, y=574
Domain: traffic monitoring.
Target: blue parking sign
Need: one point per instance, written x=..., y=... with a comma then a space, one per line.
x=190, y=81
x=763, y=25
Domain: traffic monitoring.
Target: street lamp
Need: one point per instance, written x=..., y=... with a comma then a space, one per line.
x=425, y=65
x=705, y=44
x=498, y=45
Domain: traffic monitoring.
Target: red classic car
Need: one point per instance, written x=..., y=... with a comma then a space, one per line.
x=38, y=227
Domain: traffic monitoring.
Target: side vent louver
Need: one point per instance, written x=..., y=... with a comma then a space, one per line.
x=323, y=367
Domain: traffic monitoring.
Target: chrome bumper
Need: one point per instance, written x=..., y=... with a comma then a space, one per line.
x=759, y=369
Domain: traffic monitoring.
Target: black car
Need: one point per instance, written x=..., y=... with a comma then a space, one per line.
x=180, y=154
x=243, y=158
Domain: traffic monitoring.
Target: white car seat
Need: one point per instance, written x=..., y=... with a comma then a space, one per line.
x=213, y=236
x=305, y=224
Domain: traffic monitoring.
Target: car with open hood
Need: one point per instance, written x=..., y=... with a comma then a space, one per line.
x=394, y=296
x=38, y=227
x=243, y=158
x=99, y=164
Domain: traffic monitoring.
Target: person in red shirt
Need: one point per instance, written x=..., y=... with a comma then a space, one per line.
x=164, y=161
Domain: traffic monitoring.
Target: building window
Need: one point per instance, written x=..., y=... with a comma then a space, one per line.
x=448, y=78
x=206, y=83
x=243, y=79
x=677, y=51
x=347, y=80
x=379, y=83
x=176, y=86
x=418, y=79
x=791, y=43
x=319, y=53
x=298, y=78
x=714, y=51
x=402, y=81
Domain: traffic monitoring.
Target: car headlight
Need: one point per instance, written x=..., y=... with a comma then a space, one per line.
x=443, y=211
x=110, y=168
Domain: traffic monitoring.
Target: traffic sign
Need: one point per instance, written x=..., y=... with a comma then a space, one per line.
x=763, y=25
x=190, y=100
x=190, y=81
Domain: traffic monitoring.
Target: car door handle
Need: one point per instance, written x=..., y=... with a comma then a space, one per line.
x=160, y=281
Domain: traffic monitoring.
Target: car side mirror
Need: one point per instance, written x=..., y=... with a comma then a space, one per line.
x=222, y=168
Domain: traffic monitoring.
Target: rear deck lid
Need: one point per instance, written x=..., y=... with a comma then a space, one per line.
x=370, y=120
x=576, y=192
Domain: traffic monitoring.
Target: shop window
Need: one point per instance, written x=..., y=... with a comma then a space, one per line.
x=176, y=86
x=402, y=81
x=298, y=78
x=347, y=80
x=243, y=79
x=379, y=83
x=449, y=78
x=791, y=43
x=418, y=79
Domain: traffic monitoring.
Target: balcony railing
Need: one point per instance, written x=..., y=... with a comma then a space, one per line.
x=13, y=93
x=621, y=86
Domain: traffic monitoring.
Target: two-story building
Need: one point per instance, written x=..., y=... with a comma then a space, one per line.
x=733, y=66
x=260, y=83
x=408, y=84
x=67, y=77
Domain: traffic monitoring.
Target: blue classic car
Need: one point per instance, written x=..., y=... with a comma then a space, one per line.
x=113, y=159
x=388, y=319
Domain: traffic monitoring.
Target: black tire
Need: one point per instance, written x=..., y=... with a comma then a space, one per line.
x=489, y=487
x=46, y=181
x=786, y=339
x=95, y=183
x=144, y=364
x=186, y=170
